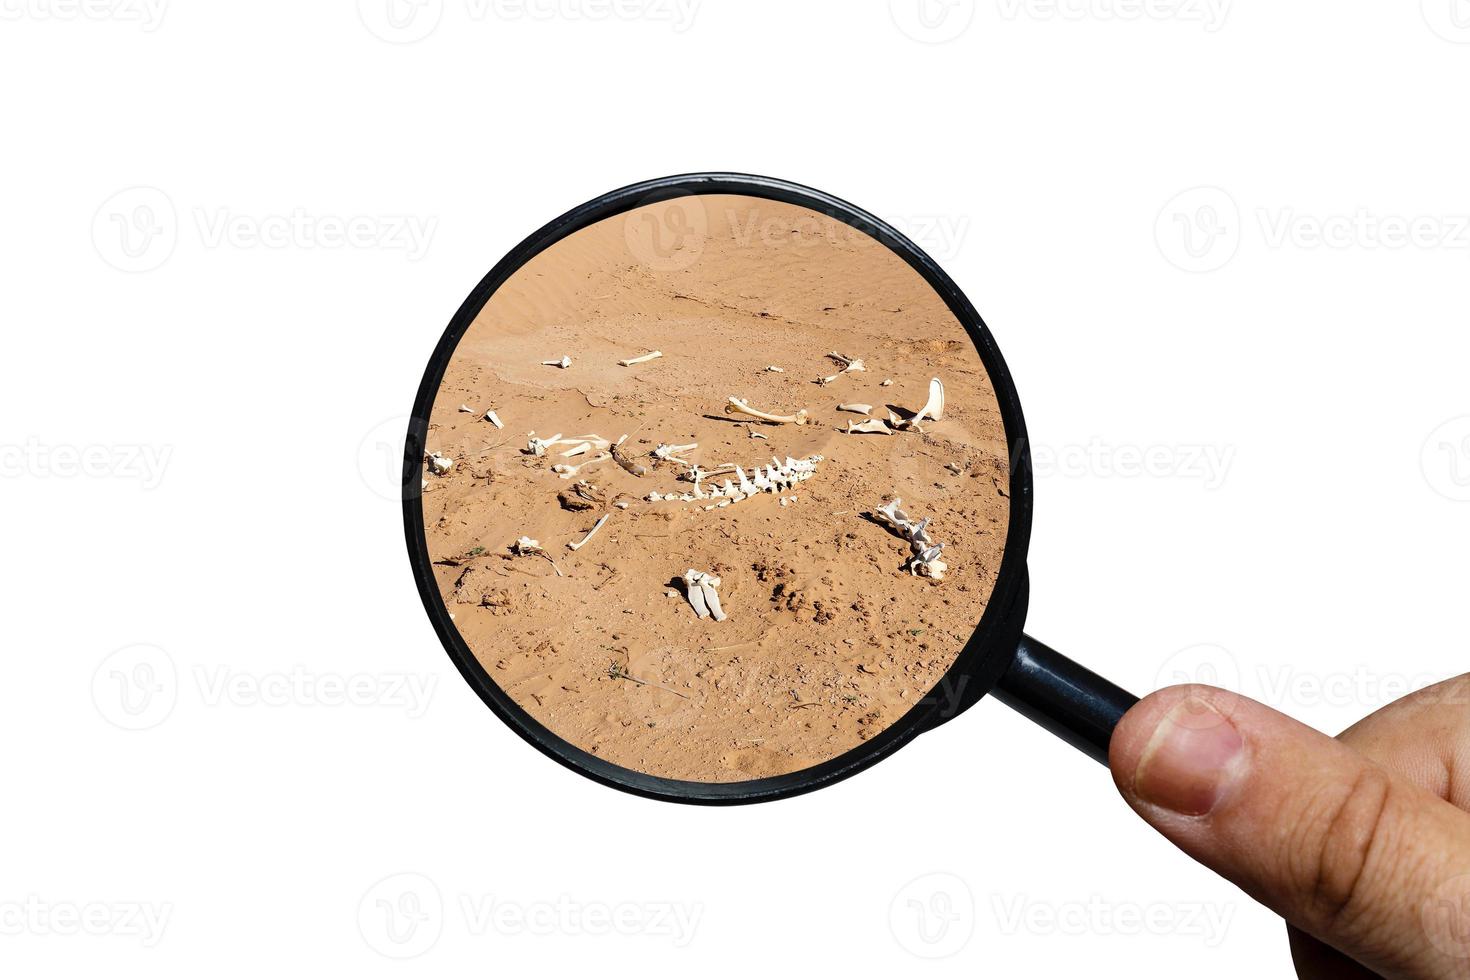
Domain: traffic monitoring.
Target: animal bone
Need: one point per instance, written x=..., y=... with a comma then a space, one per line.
x=776, y=370
x=439, y=465
x=577, y=450
x=621, y=458
x=759, y=435
x=934, y=407
x=530, y=546
x=466, y=408
x=574, y=545
x=924, y=558
x=857, y=407
x=538, y=447
x=737, y=406
x=671, y=453
x=494, y=419
x=777, y=476
x=565, y=362
x=566, y=470
x=870, y=427
x=700, y=587
x=848, y=364
x=639, y=360
x=885, y=382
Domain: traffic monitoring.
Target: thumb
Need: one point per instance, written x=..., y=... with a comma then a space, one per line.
x=1342, y=848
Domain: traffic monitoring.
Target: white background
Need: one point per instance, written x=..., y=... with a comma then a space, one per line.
x=1185, y=224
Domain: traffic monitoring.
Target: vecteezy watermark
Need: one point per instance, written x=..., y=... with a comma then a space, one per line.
x=933, y=916
x=1095, y=916
x=1199, y=229
x=759, y=226
x=402, y=916
x=34, y=916
x=380, y=462
x=34, y=459
x=138, y=229
x=136, y=687
x=1450, y=19
x=147, y=14
x=1209, y=14
x=667, y=235
x=932, y=21
x=1445, y=459
x=407, y=21
x=1207, y=464
x=1446, y=917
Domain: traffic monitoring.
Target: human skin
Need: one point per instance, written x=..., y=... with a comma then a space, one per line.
x=1362, y=842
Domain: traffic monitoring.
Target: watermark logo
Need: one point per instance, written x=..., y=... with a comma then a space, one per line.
x=932, y=21
x=1445, y=459
x=400, y=21
x=147, y=14
x=669, y=235
x=402, y=916
x=136, y=687
x=1205, y=921
x=1446, y=917
x=34, y=916
x=933, y=916
x=136, y=229
x=1199, y=229
x=1206, y=464
x=566, y=916
x=380, y=459
x=1450, y=19
x=34, y=459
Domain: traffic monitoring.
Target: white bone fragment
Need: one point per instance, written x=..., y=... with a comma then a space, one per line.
x=621, y=505
x=924, y=553
x=738, y=406
x=439, y=465
x=466, y=408
x=885, y=382
x=857, y=407
x=934, y=407
x=639, y=360
x=565, y=362
x=776, y=370
x=494, y=419
x=574, y=545
x=849, y=364
x=671, y=594
x=530, y=546
x=425, y=485
x=566, y=470
x=577, y=450
x=759, y=435
x=870, y=427
x=700, y=587
x=784, y=501
x=954, y=468
x=538, y=447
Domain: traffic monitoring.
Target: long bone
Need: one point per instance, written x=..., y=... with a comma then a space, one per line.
x=565, y=362
x=737, y=406
x=566, y=470
x=629, y=362
x=538, y=447
x=574, y=545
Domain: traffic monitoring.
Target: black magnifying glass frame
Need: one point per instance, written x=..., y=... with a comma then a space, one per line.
x=1060, y=695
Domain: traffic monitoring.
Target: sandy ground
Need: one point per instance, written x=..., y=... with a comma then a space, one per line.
x=827, y=639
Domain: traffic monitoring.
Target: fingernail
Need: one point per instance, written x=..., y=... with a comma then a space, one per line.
x=1187, y=764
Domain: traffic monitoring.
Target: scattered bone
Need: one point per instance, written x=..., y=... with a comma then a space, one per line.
x=736, y=406
x=759, y=435
x=954, y=468
x=575, y=545
x=566, y=470
x=871, y=427
x=621, y=505
x=671, y=594
x=886, y=382
x=924, y=559
x=494, y=419
x=774, y=478
x=530, y=546
x=439, y=465
x=468, y=410
x=776, y=370
x=564, y=363
x=538, y=447
x=581, y=496
x=639, y=360
x=621, y=458
x=857, y=407
x=934, y=407
x=672, y=453
x=700, y=587
x=849, y=364
x=577, y=450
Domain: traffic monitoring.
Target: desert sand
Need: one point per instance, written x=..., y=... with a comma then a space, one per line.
x=828, y=639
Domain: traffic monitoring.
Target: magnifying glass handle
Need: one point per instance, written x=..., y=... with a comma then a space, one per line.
x=1063, y=697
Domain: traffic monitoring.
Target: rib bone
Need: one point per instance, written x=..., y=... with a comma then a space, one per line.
x=639, y=360
x=737, y=406
x=574, y=545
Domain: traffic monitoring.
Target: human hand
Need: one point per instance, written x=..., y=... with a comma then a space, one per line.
x=1362, y=842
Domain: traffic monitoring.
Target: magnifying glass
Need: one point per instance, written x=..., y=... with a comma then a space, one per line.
x=717, y=490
